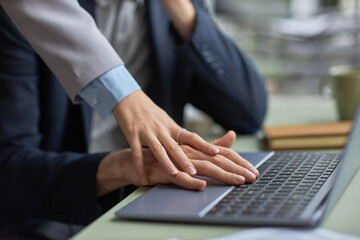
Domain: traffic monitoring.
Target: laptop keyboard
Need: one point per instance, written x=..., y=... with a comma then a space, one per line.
x=284, y=189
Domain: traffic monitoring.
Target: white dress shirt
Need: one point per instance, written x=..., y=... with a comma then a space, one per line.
x=123, y=23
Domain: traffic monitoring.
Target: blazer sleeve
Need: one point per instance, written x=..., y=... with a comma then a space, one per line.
x=66, y=38
x=50, y=184
x=35, y=182
x=225, y=83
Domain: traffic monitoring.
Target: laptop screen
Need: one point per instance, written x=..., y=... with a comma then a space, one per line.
x=350, y=163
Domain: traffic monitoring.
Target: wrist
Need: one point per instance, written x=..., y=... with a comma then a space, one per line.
x=113, y=172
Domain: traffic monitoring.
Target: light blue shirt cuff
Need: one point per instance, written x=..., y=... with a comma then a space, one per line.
x=103, y=93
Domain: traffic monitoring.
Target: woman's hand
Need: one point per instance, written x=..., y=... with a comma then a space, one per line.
x=145, y=124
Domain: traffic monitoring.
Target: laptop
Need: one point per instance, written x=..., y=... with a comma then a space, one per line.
x=294, y=189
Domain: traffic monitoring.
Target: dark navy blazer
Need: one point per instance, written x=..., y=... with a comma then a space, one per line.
x=45, y=171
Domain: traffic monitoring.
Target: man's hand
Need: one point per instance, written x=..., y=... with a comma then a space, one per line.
x=145, y=124
x=117, y=169
x=226, y=141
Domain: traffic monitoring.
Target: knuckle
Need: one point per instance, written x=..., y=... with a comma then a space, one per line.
x=193, y=135
x=137, y=154
x=228, y=153
x=158, y=125
x=207, y=166
x=216, y=160
x=158, y=147
x=133, y=129
x=174, y=147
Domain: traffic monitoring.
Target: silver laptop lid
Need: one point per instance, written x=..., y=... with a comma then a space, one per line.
x=349, y=164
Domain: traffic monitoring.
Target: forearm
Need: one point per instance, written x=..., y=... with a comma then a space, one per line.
x=182, y=15
x=66, y=37
x=55, y=186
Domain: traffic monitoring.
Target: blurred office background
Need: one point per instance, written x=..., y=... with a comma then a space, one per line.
x=292, y=42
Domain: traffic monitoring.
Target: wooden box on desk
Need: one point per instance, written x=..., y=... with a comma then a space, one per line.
x=307, y=136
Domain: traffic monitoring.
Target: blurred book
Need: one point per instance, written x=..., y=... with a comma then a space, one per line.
x=307, y=136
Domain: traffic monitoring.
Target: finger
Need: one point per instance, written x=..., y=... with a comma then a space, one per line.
x=136, y=151
x=233, y=161
x=186, y=181
x=210, y=170
x=226, y=141
x=160, y=153
x=194, y=140
x=178, y=155
x=231, y=167
x=235, y=157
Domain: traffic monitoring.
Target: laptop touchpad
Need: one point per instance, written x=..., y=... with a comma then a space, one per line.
x=171, y=200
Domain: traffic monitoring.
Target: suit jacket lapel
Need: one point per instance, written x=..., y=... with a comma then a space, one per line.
x=89, y=6
x=159, y=23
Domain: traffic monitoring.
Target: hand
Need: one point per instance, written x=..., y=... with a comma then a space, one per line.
x=226, y=141
x=227, y=159
x=145, y=124
x=116, y=169
x=183, y=16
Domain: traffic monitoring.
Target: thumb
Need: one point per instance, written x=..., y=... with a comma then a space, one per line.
x=225, y=141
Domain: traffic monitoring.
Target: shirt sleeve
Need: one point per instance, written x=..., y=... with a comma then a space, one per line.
x=109, y=89
x=66, y=37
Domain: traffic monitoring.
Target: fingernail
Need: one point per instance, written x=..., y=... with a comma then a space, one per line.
x=173, y=171
x=191, y=170
x=214, y=150
x=239, y=179
x=143, y=180
x=252, y=176
x=203, y=186
x=255, y=171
